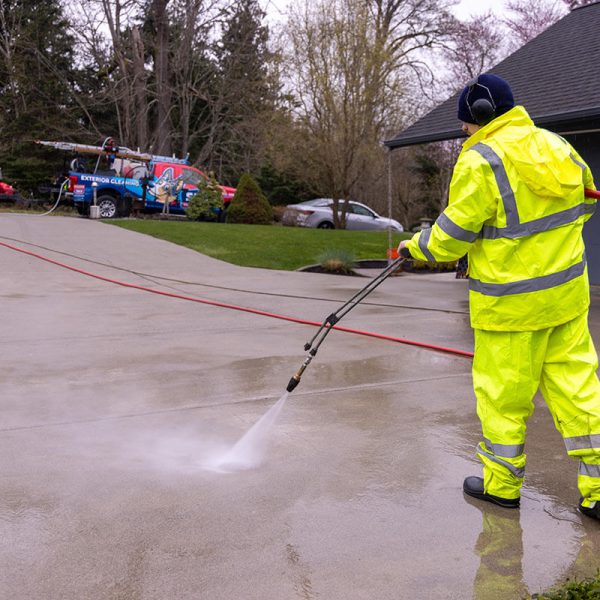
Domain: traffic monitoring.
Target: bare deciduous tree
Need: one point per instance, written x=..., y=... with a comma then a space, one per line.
x=472, y=47
x=348, y=64
x=117, y=16
x=572, y=4
x=192, y=28
x=525, y=22
x=161, y=47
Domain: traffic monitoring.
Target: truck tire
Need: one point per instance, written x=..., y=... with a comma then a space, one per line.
x=109, y=208
x=325, y=225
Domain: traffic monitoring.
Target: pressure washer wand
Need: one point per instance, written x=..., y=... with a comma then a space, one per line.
x=313, y=345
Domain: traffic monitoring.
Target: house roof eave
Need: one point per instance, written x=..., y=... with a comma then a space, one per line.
x=556, y=121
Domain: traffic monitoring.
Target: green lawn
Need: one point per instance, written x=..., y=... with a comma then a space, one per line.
x=265, y=246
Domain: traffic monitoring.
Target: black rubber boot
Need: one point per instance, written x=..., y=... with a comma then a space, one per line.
x=473, y=486
x=594, y=513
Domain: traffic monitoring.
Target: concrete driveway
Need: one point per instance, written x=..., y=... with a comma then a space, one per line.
x=115, y=400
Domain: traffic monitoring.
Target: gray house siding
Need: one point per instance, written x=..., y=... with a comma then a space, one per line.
x=588, y=145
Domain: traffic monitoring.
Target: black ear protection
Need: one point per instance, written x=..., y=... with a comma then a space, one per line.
x=482, y=110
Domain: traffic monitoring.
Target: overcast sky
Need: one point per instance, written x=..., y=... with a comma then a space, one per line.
x=276, y=8
x=476, y=7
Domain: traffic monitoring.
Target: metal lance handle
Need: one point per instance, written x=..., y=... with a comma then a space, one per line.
x=295, y=380
x=333, y=318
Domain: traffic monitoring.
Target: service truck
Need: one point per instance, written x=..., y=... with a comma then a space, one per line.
x=125, y=180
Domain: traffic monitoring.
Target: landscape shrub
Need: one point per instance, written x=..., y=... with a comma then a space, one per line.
x=337, y=261
x=249, y=205
x=207, y=203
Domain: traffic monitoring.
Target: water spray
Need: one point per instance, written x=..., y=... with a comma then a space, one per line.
x=328, y=324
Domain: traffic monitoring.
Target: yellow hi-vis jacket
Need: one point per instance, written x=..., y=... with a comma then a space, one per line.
x=517, y=207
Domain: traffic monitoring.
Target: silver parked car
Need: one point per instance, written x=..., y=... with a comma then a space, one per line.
x=319, y=213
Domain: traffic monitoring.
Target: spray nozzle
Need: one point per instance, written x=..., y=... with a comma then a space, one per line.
x=333, y=318
x=294, y=381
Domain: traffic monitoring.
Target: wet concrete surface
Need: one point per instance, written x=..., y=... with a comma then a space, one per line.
x=113, y=400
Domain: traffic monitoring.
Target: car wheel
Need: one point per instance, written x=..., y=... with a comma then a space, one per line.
x=108, y=207
x=325, y=225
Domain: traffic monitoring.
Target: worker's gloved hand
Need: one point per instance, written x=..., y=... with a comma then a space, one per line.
x=403, y=250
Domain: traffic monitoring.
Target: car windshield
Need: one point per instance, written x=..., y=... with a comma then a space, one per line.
x=316, y=202
x=191, y=177
x=357, y=209
x=351, y=207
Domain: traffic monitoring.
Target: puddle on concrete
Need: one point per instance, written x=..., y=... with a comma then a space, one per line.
x=17, y=504
x=332, y=368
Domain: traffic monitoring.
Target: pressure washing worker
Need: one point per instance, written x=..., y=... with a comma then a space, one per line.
x=517, y=207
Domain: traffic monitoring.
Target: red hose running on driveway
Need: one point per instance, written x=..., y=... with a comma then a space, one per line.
x=589, y=193
x=254, y=311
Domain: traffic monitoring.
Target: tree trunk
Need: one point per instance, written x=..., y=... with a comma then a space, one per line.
x=140, y=82
x=123, y=98
x=163, y=85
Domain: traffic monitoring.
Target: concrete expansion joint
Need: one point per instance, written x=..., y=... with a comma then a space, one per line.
x=380, y=384
x=235, y=402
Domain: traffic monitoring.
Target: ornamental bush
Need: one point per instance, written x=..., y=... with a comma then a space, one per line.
x=207, y=203
x=249, y=205
x=337, y=261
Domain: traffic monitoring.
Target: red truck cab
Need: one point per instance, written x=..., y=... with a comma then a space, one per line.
x=191, y=178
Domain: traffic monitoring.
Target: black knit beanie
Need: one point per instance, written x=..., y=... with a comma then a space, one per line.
x=499, y=93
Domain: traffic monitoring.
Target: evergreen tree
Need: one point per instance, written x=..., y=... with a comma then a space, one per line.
x=282, y=187
x=36, y=86
x=243, y=60
x=249, y=204
x=207, y=203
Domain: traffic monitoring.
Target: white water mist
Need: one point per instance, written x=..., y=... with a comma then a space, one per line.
x=249, y=451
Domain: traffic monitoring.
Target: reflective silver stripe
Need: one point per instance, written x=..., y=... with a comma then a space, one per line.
x=562, y=139
x=423, y=241
x=583, y=442
x=535, y=284
x=577, y=162
x=505, y=450
x=455, y=231
x=506, y=192
x=589, y=470
x=516, y=471
x=563, y=217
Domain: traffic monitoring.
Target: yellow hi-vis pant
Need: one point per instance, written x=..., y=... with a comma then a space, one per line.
x=508, y=369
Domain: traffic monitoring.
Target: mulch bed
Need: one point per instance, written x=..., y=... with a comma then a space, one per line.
x=407, y=267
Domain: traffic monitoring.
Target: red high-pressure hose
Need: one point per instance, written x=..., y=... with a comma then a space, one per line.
x=254, y=311
x=589, y=193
